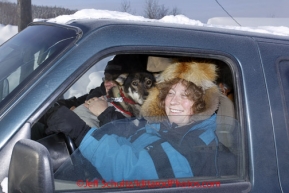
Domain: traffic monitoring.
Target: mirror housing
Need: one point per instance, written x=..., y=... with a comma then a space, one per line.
x=30, y=168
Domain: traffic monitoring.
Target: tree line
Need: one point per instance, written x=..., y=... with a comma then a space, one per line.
x=8, y=10
x=152, y=9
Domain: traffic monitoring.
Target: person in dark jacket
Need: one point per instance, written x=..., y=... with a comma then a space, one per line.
x=176, y=140
x=122, y=63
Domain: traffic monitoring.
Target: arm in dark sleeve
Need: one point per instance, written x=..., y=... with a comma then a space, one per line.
x=108, y=115
x=73, y=101
x=81, y=100
x=96, y=92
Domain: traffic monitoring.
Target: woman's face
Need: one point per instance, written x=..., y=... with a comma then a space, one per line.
x=177, y=105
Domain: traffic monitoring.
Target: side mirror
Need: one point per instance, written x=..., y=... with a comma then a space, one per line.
x=30, y=168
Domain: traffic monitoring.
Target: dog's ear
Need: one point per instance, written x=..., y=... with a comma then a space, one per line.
x=121, y=78
x=157, y=76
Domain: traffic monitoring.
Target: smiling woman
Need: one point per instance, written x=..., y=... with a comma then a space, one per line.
x=178, y=106
x=197, y=78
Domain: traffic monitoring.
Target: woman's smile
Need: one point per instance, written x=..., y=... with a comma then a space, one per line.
x=175, y=111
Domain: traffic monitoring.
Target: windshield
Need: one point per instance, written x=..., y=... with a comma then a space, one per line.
x=24, y=53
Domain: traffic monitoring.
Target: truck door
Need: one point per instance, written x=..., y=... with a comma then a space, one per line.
x=275, y=59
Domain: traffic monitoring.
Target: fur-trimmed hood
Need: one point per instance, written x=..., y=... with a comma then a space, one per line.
x=203, y=74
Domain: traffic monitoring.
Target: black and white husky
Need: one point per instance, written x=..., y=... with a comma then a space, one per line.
x=131, y=92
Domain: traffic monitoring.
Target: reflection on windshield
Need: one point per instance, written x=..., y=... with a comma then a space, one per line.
x=25, y=52
x=169, y=151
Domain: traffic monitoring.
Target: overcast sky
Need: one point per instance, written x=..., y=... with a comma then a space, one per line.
x=195, y=9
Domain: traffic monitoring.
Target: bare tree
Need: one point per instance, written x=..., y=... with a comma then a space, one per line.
x=175, y=11
x=125, y=7
x=162, y=11
x=153, y=10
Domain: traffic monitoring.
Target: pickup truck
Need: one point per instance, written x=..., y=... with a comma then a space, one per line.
x=48, y=61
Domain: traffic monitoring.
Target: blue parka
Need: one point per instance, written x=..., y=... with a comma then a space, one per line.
x=134, y=150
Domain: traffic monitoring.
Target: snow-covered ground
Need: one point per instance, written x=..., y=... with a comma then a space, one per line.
x=180, y=19
x=7, y=32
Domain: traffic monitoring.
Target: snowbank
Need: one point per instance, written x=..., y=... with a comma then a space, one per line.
x=179, y=19
x=7, y=32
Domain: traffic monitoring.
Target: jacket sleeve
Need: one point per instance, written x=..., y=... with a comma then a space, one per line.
x=73, y=101
x=70, y=102
x=116, y=160
x=96, y=92
x=108, y=115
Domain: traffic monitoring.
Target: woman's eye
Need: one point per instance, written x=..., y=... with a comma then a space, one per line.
x=184, y=96
x=170, y=93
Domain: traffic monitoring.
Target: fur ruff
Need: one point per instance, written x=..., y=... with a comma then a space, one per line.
x=200, y=73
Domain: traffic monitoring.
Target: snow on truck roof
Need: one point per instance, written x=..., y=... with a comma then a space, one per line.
x=177, y=19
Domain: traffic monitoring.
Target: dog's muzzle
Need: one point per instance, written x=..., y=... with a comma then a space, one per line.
x=118, y=99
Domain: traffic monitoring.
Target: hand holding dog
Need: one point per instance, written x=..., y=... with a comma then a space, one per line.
x=96, y=105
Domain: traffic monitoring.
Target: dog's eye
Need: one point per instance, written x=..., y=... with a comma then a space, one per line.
x=134, y=83
x=149, y=82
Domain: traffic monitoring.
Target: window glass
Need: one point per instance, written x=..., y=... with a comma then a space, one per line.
x=24, y=53
x=90, y=80
x=150, y=145
x=96, y=170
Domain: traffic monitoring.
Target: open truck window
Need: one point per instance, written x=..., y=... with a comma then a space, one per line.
x=78, y=171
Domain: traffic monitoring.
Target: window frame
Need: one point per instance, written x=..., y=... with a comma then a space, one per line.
x=237, y=84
